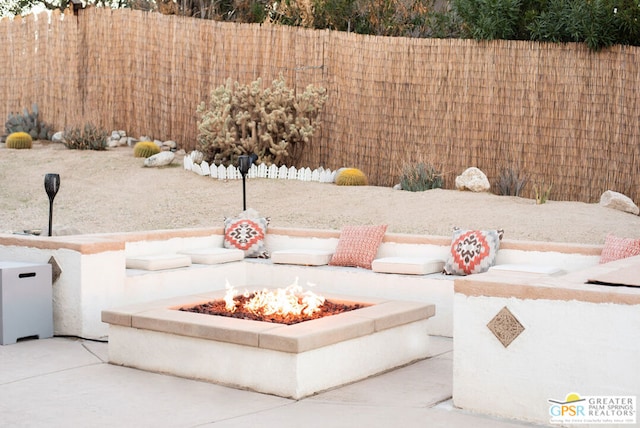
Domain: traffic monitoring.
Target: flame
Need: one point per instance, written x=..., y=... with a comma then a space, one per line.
x=229, y=303
x=292, y=300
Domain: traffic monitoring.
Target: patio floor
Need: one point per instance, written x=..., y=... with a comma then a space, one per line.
x=63, y=382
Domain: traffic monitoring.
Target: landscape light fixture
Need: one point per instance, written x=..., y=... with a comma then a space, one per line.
x=51, y=186
x=244, y=164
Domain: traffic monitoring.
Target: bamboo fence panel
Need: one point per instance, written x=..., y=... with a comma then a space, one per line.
x=560, y=113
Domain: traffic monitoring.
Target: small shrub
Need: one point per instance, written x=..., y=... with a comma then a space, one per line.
x=19, y=140
x=87, y=138
x=511, y=182
x=145, y=149
x=420, y=177
x=351, y=177
x=542, y=193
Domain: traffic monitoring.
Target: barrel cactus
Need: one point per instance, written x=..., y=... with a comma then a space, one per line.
x=145, y=149
x=19, y=140
x=351, y=177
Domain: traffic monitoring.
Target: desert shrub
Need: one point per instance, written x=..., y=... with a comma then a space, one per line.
x=510, y=182
x=351, y=177
x=30, y=123
x=145, y=149
x=416, y=178
x=542, y=192
x=19, y=140
x=88, y=137
x=274, y=123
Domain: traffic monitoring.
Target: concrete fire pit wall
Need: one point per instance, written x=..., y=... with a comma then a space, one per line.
x=577, y=338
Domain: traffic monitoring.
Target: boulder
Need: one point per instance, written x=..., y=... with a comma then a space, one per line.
x=58, y=137
x=618, y=201
x=474, y=180
x=160, y=159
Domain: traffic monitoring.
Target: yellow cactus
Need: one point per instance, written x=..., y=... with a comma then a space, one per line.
x=351, y=177
x=19, y=140
x=145, y=149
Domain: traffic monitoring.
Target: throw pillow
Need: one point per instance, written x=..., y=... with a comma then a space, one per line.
x=472, y=251
x=246, y=233
x=616, y=248
x=358, y=246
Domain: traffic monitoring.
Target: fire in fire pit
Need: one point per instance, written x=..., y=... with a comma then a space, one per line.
x=283, y=306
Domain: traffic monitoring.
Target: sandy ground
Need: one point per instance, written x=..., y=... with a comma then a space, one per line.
x=112, y=192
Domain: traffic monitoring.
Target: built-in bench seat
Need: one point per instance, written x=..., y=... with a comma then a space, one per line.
x=94, y=268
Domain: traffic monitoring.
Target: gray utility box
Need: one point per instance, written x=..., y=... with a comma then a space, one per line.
x=26, y=302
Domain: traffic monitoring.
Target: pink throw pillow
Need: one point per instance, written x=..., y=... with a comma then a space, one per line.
x=616, y=248
x=358, y=246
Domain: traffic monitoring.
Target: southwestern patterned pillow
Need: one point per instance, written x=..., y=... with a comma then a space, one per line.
x=358, y=246
x=246, y=233
x=616, y=248
x=473, y=251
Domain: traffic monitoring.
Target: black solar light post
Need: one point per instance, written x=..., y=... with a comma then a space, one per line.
x=244, y=164
x=51, y=186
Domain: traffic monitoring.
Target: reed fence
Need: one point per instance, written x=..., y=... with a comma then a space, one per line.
x=560, y=113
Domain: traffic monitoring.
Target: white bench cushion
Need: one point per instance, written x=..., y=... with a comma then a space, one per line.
x=158, y=262
x=214, y=255
x=524, y=268
x=407, y=265
x=307, y=257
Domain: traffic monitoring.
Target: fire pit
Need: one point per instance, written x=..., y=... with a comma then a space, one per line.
x=289, y=305
x=286, y=360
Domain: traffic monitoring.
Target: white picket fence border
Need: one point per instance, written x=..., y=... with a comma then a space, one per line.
x=260, y=171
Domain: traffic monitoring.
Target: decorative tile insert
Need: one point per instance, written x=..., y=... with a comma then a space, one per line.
x=56, y=270
x=505, y=327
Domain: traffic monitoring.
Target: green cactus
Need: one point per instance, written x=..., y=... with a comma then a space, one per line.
x=145, y=149
x=19, y=140
x=351, y=177
x=29, y=123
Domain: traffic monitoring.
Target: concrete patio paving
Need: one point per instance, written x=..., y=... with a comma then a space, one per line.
x=66, y=382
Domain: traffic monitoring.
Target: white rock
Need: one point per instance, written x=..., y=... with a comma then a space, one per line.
x=123, y=141
x=58, y=137
x=122, y=133
x=131, y=141
x=115, y=135
x=397, y=187
x=171, y=144
x=474, y=180
x=160, y=159
x=618, y=201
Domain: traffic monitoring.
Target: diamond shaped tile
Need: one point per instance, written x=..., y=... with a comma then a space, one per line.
x=505, y=327
x=56, y=270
